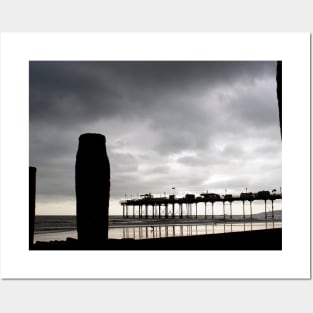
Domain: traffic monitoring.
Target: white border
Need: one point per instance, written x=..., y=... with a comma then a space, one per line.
x=18, y=262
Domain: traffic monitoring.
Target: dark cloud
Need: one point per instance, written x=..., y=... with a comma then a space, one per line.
x=82, y=91
x=194, y=125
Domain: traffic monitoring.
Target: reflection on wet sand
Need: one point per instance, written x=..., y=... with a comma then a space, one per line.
x=162, y=231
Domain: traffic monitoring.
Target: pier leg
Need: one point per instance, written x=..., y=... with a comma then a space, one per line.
x=212, y=203
x=224, y=215
x=244, y=216
x=251, y=213
x=173, y=214
x=273, y=213
x=204, y=209
x=146, y=211
x=265, y=215
x=196, y=210
x=133, y=211
x=231, y=210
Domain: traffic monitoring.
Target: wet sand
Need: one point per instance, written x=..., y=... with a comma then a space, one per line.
x=269, y=239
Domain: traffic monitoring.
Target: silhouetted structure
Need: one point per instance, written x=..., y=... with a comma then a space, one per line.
x=279, y=92
x=32, y=203
x=92, y=176
x=157, y=203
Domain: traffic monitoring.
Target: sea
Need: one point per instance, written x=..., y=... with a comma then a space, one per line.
x=56, y=227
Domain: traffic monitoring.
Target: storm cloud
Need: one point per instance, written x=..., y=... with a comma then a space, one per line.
x=193, y=125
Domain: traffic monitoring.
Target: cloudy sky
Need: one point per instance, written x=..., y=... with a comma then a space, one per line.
x=197, y=126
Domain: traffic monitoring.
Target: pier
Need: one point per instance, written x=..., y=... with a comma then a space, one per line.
x=164, y=207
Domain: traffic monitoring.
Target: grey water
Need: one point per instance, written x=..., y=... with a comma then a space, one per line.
x=49, y=228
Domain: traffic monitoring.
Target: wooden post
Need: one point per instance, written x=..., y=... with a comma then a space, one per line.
x=32, y=204
x=92, y=177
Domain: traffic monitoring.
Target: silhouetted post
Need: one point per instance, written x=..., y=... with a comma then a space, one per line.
x=32, y=204
x=279, y=92
x=92, y=174
x=204, y=209
x=196, y=210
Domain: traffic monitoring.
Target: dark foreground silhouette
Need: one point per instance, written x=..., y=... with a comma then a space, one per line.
x=92, y=182
x=270, y=239
x=32, y=203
